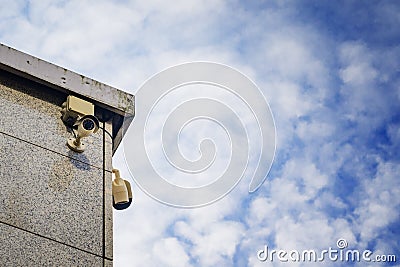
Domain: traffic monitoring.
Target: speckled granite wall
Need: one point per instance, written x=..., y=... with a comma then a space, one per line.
x=55, y=205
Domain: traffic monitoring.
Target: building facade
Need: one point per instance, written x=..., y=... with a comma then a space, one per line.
x=55, y=204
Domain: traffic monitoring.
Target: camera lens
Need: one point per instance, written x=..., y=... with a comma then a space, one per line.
x=88, y=124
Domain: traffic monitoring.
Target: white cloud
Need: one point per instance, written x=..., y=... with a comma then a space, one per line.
x=214, y=244
x=12, y=11
x=379, y=202
x=307, y=174
x=169, y=252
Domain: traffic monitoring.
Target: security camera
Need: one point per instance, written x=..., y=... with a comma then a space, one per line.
x=86, y=126
x=74, y=108
x=121, y=192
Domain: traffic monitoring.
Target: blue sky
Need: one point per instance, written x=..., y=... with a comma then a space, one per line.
x=330, y=71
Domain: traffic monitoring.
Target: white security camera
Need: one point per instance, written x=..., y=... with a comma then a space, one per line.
x=121, y=192
x=86, y=126
x=78, y=115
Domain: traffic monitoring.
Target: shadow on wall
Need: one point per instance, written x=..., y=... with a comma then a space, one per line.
x=63, y=172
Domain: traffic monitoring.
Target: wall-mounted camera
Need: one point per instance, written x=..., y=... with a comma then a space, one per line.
x=86, y=126
x=121, y=192
x=78, y=115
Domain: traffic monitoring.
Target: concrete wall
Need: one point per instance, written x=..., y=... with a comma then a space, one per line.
x=55, y=205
